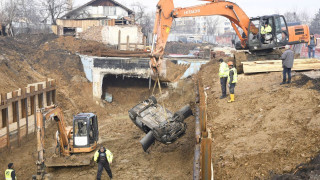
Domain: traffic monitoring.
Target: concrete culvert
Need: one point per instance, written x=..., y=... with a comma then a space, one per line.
x=124, y=89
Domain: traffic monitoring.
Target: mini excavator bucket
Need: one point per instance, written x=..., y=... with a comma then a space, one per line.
x=75, y=160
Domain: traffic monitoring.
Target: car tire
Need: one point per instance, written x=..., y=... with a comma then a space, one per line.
x=153, y=99
x=132, y=114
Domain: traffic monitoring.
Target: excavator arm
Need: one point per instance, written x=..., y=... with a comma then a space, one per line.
x=57, y=114
x=166, y=13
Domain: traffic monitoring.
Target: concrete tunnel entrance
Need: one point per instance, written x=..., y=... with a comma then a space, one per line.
x=124, y=89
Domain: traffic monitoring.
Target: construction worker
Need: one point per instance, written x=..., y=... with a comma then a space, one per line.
x=232, y=80
x=266, y=29
x=312, y=45
x=223, y=74
x=10, y=174
x=287, y=63
x=104, y=158
x=266, y=32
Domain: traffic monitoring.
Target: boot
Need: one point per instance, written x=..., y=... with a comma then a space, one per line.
x=231, y=98
x=283, y=83
x=289, y=81
x=223, y=96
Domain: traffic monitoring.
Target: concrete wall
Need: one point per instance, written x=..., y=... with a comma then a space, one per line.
x=97, y=67
x=110, y=35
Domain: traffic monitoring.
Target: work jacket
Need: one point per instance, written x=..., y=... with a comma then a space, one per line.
x=223, y=70
x=233, y=76
x=266, y=30
x=10, y=174
x=107, y=153
x=312, y=42
x=287, y=58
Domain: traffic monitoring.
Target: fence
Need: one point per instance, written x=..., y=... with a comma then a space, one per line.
x=131, y=46
x=202, y=166
x=27, y=28
x=19, y=107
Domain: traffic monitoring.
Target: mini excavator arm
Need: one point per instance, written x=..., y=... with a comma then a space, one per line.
x=57, y=114
x=166, y=13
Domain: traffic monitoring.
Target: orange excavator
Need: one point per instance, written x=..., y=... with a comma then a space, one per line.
x=78, y=140
x=247, y=29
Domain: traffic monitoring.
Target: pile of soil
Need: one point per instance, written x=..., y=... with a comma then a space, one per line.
x=310, y=82
x=184, y=48
x=269, y=129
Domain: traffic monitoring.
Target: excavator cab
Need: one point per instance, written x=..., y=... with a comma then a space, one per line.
x=276, y=36
x=86, y=133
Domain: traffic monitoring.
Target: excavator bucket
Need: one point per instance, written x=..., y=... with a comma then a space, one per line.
x=170, y=72
x=74, y=160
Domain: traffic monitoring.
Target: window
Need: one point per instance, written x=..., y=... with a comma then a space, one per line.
x=109, y=10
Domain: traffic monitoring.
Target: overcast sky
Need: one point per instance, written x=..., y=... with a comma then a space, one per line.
x=251, y=7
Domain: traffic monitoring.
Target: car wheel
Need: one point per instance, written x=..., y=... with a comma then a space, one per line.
x=153, y=99
x=132, y=114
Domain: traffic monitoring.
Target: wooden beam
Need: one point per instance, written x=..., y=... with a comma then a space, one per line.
x=18, y=122
x=119, y=39
x=8, y=132
x=26, y=109
x=276, y=65
x=128, y=45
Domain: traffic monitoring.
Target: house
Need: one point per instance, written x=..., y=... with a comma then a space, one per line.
x=103, y=21
x=103, y=10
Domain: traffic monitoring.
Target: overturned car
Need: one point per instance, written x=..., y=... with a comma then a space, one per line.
x=159, y=123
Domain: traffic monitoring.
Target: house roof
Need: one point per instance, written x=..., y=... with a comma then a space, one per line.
x=92, y=1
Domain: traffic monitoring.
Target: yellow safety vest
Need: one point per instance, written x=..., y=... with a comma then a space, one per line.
x=223, y=70
x=108, y=153
x=235, y=75
x=266, y=30
x=314, y=39
x=8, y=174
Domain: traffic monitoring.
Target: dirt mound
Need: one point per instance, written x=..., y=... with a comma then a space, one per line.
x=184, y=48
x=308, y=82
x=309, y=170
x=269, y=129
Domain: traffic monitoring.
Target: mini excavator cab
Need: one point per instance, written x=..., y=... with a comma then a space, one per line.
x=278, y=36
x=86, y=133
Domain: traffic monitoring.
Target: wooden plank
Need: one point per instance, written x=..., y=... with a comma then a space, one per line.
x=276, y=65
x=8, y=132
x=34, y=113
x=26, y=109
x=18, y=122
x=119, y=39
x=128, y=48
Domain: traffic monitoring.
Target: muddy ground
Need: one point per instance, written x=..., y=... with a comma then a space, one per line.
x=29, y=59
x=270, y=129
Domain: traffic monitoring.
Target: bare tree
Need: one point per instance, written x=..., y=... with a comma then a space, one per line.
x=144, y=19
x=9, y=14
x=212, y=25
x=53, y=9
x=297, y=16
x=291, y=17
x=315, y=24
x=139, y=11
x=27, y=12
